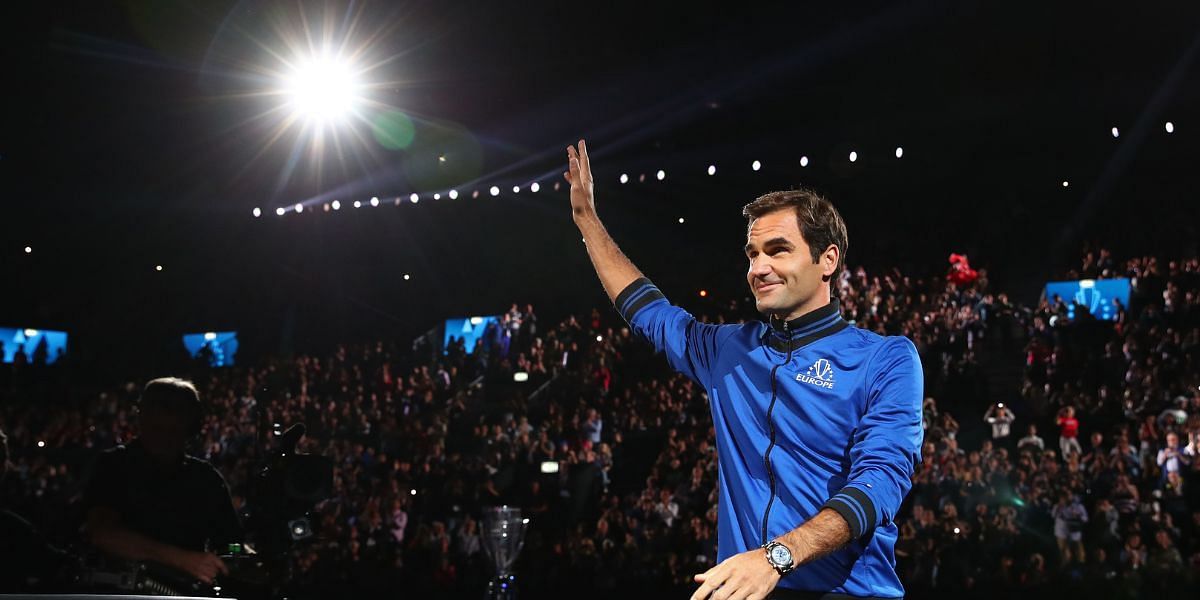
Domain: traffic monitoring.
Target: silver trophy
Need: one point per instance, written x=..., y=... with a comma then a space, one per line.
x=503, y=536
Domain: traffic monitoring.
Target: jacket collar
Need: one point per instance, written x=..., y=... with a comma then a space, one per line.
x=805, y=329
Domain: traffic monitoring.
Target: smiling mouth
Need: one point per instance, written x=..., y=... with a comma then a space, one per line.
x=765, y=286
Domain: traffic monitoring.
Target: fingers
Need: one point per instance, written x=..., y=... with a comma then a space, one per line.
x=584, y=160
x=572, y=173
x=581, y=165
x=712, y=582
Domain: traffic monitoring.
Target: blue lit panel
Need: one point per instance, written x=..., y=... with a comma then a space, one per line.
x=1096, y=294
x=31, y=343
x=468, y=328
x=223, y=346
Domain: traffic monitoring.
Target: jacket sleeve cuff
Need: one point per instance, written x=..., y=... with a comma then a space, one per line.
x=856, y=507
x=635, y=296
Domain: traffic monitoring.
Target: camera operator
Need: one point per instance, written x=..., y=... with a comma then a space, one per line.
x=150, y=501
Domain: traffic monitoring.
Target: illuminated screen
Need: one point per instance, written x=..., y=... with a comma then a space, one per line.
x=468, y=328
x=1096, y=294
x=32, y=343
x=221, y=345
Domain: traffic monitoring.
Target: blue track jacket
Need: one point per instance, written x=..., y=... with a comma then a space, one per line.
x=809, y=413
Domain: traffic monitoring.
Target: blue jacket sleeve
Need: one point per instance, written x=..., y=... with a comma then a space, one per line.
x=690, y=346
x=887, y=442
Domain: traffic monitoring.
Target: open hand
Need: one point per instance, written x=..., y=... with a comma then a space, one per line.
x=745, y=576
x=579, y=175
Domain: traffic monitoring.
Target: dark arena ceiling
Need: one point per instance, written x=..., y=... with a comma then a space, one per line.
x=144, y=134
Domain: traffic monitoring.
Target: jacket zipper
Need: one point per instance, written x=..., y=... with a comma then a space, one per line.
x=771, y=427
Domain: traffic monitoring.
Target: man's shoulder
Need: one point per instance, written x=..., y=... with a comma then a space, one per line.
x=203, y=472
x=876, y=343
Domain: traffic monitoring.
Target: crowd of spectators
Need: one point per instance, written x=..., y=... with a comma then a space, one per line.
x=420, y=447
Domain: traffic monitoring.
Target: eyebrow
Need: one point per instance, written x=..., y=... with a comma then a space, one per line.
x=778, y=241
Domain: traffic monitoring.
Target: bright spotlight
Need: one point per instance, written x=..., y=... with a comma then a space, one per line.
x=322, y=88
x=516, y=189
x=157, y=267
x=280, y=211
x=712, y=169
x=853, y=156
x=407, y=277
x=661, y=175
x=681, y=220
x=437, y=195
x=803, y=161
x=41, y=444
x=357, y=204
x=1066, y=183
x=756, y=165
x=1170, y=127
x=899, y=151
x=28, y=250
x=299, y=208
x=210, y=336
x=414, y=198
x=453, y=194
x=495, y=191
x=534, y=187
x=337, y=205
x=374, y=201
x=30, y=333
x=257, y=212
x=1116, y=132
x=624, y=178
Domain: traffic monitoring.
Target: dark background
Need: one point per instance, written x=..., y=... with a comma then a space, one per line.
x=133, y=136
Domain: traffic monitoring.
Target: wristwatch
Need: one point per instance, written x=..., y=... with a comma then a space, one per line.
x=780, y=557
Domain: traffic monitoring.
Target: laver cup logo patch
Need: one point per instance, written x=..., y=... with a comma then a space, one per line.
x=819, y=374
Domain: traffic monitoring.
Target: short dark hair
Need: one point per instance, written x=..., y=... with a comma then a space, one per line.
x=175, y=396
x=819, y=222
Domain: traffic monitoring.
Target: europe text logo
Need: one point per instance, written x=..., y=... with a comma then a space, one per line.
x=819, y=374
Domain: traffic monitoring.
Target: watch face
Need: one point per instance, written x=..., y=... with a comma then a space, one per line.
x=780, y=555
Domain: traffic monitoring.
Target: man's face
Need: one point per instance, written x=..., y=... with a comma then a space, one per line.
x=164, y=435
x=782, y=275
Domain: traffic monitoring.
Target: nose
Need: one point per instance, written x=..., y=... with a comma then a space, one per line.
x=759, y=268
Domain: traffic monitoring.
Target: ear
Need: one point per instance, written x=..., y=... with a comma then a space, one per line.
x=829, y=262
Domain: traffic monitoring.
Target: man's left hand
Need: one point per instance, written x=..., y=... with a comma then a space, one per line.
x=745, y=576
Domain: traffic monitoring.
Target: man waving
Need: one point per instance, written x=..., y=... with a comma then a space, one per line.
x=818, y=423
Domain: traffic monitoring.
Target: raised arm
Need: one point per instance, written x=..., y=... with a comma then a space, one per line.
x=616, y=272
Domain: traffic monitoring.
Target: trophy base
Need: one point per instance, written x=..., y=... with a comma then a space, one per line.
x=502, y=587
